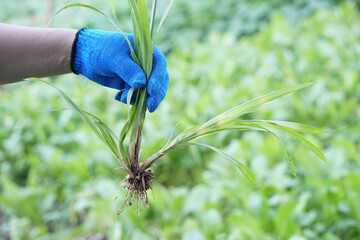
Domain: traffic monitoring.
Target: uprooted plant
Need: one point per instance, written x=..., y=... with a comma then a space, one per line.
x=139, y=176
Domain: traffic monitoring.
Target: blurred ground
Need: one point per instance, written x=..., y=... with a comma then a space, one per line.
x=57, y=181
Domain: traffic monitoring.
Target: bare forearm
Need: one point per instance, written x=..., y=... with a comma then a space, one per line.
x=34, y=52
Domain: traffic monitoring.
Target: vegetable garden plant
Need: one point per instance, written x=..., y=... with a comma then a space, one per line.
x=126, y=147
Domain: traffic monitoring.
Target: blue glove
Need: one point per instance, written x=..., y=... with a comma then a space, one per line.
x=104, y=57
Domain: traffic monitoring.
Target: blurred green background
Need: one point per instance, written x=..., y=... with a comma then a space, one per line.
x=57, y=180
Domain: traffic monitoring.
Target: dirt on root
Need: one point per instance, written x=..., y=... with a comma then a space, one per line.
x=137, y=185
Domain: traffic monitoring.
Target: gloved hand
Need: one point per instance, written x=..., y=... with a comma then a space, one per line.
x=104, y=57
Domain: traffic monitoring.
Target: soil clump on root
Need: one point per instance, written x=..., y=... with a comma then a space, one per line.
x=137, y=184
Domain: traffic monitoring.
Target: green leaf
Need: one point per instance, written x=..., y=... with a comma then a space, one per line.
x=99, y=128
x=297, y=137
x=138, y=36
x=146, y=36
x=152, y=19
x=290, y=159
x=227, y=121
x=163, y=17
x=114, y=12
x=238, y=111
x=171, y=135
x=104, y=14
x=73, y=106
x=298, y=127
x=244, y=170
x=97, y=120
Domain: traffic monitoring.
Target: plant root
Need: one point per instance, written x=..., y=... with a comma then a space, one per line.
x=137, y=184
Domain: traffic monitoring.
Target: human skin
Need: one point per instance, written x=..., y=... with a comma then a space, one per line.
x=34, y=52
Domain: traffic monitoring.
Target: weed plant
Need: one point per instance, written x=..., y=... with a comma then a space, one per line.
x=126, y=146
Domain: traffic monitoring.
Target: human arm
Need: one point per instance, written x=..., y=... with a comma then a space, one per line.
x=34, y=52
x=102, y=56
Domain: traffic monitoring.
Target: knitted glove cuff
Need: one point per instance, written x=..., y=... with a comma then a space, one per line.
x=73, y=51
x=83, y=53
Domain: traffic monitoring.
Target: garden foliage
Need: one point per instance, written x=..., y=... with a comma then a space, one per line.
x=50, y=184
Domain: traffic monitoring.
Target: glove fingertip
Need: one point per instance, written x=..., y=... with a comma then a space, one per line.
x=131, y=73
x=139, y=80
x=123, y=97
x=118, y=96
x=158, y=82
x=151, y=104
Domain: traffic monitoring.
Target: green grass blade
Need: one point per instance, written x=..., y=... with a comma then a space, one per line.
x=98, y=11
x=135, y=117
x=225, y=120
x=163, y=17
x=146, y=36
x=72, y=105
x=171, y=135
x=238, y=111
x=109, y=140
x=296, y=136
x=144, y=52
x=299, y=127
x=85, y=6
x=244, y=170
x=126, y=127
x=97, y=120
x=290, y=159
x=196, y=135
x=222, y=122
x=138, y=38
x=152, y=19
x=53, y=110
x=114, y=12
x=129, y=96
x=106, y=131
x=100, y=129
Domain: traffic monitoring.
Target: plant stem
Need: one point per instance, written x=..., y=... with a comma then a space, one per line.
x=139, y=109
